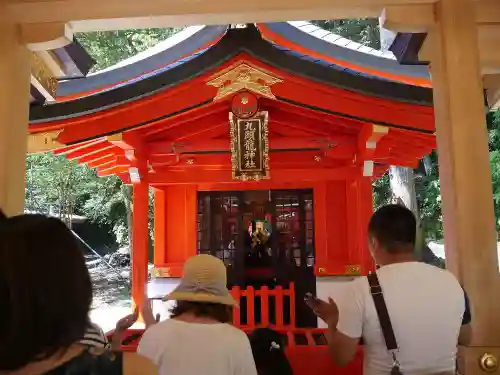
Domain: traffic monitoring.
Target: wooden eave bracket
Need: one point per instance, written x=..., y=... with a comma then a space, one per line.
x=367, y=145
x=133, y=147
x=134, y=151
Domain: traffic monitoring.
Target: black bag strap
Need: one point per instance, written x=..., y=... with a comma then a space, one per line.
x=383, y=314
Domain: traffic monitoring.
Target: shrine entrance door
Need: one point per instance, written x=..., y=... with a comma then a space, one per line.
x=224, y=225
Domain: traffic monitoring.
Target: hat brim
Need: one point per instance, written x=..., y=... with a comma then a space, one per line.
x=201, y=297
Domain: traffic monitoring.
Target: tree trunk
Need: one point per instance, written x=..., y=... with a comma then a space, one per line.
x=403, y=188
x=403, y=192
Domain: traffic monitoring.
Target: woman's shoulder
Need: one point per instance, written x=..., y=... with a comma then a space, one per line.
x=92, y=360
x=235, y=336
x=135, y=364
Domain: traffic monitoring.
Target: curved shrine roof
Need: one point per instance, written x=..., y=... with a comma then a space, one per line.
x=208, y=47
x=325, y=102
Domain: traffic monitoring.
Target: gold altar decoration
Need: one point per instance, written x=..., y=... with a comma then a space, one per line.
x=250, y=147
x=161, y=272
x=243, y=76
x=43, y=142
x=42, y=76
x=353, y=269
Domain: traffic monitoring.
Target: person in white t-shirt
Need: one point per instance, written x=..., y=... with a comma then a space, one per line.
x=426, y=306
x=198, y=338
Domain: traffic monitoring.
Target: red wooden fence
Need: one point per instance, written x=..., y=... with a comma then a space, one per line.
x=306, y=350
x=265, y=294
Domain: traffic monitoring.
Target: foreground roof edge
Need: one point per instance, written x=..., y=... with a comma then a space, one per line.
x=298, y=36
x=315, y=41
x=248, y=40
x=188, y=42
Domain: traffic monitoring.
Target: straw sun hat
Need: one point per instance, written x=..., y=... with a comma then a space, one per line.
x=204, y=280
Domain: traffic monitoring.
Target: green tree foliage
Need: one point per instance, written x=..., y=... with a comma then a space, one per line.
x=110, y=47
x=427, y=188
x=56, y=185
x=493, y=121
x=63, y=188
x=364, y=31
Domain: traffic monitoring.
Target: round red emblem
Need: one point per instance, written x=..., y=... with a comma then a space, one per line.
x=244, y=104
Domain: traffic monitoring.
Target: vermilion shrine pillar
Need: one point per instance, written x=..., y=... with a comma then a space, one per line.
x=359, y=211
x=140, y=240
x=14, y=116
x=469, y=222
x=175, y=228
x=160, y=225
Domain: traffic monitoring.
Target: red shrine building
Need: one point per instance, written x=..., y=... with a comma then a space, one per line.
x=276, y=128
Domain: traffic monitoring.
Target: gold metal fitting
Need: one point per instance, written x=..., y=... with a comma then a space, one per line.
x=488, y=362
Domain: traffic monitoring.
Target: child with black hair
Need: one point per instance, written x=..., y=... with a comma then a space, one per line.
x=268, y=348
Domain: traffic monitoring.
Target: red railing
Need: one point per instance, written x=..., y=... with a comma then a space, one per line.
x=278, y=294
x=306, y=350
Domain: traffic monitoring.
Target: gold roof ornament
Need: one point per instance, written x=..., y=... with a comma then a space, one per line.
x=243, y=76
x=43, y=142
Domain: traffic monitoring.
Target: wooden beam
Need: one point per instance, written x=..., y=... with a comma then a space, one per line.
x=488, y=41
x=196, y=132
x=88, y=150
x=408, y=19
x=46, y=36
x=101, y=162
x=418, y=18
x=112, y=170
x=280, y=160
x=98, y=155
x=288, y=113
x=487, y=11
x=218, y=109
x=132, y=145
x=491, y=84
x=262, y=185
x=275, y=144
x=78, y=146
x=178, y=12
x=277, y=175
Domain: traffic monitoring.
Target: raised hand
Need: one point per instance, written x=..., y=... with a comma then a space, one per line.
x=147, y=313
x=126, y=322
x=327, y=311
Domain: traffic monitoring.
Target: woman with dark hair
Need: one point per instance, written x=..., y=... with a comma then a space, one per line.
x=198, y=338
x=46, y=294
